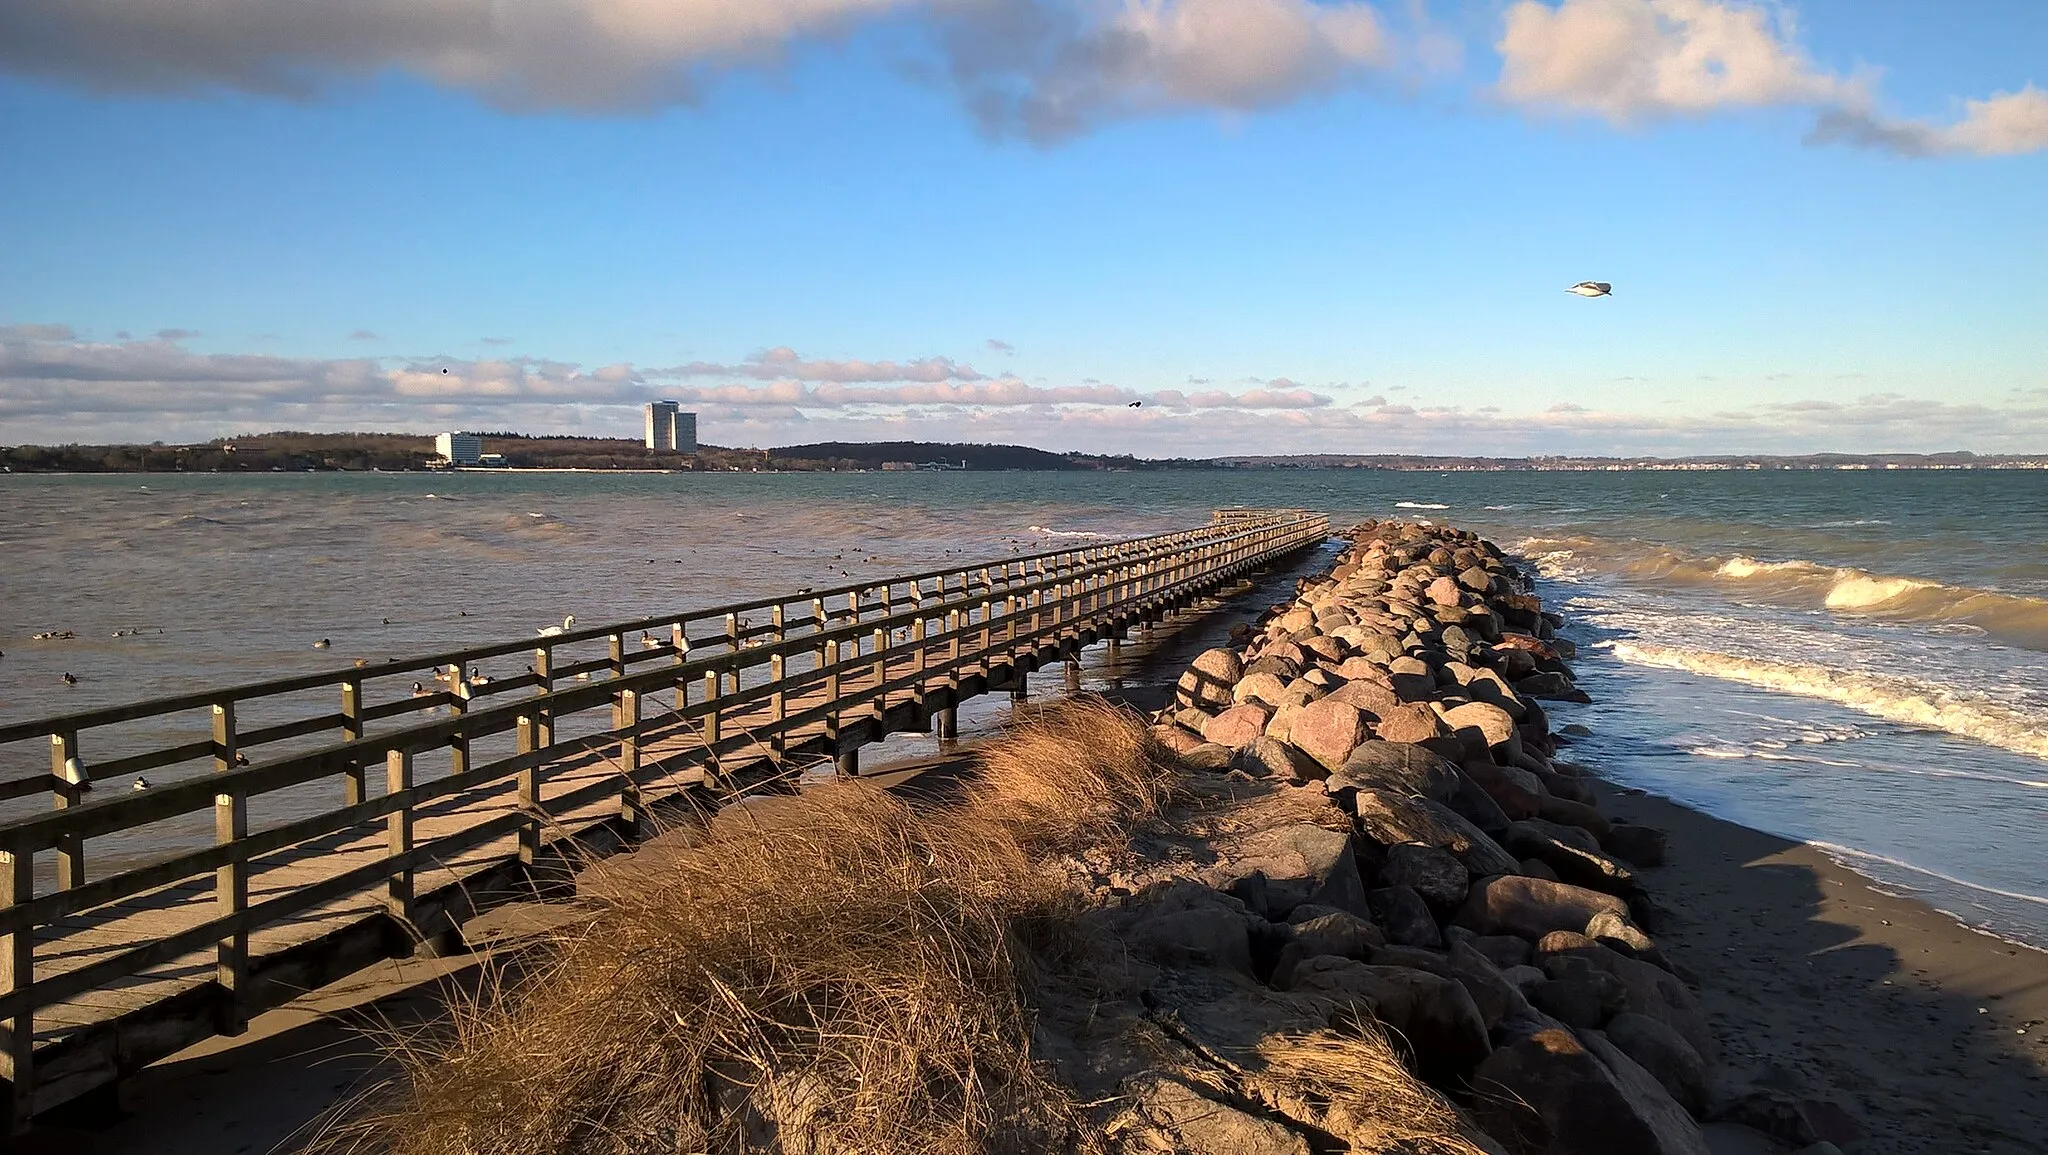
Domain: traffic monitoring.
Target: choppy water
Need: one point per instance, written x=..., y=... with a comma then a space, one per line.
x=1854, y=659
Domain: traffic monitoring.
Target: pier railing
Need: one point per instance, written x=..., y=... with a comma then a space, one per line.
x=442, y=781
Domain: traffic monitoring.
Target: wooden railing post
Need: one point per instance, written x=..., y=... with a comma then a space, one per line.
x=778, y=700
x=713, y=770
x=68, y=783
x=458, y=704
x=626, y=720
x=352, y=731
x=230, y=879
x=17, y=974
x=398, y=890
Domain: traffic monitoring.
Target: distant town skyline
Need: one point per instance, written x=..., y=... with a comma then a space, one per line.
x=1276, y=226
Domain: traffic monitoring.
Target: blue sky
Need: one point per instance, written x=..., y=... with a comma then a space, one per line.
x=1284, y=225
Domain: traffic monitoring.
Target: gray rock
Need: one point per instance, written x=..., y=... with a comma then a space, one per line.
x=1573, y=854
x=1432, y=1016
x=1430, y=871
x=1405, y=917
x=1494, y=726
x=1334, y=932
x=1495, y=996
x=1302, y=863
x=1666, y=1055
x=1544, y=1092
x=1391, y=819
x=1400, y=767
x=1642, y=845
x=1503, y=950
x=1272, y=758
x=1207, y=756
x=1532, y=907
x=1166, y=1113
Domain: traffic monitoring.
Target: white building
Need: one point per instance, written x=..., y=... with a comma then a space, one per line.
x=669, y=428
x=460, y=448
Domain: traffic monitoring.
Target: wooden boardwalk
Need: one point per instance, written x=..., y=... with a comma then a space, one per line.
x=381, y=827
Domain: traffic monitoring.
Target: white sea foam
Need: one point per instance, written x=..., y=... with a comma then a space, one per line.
x=1419, y=505
x=1066, y=532
x=1894, y=699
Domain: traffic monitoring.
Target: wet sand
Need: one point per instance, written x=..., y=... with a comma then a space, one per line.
x=1821, y=985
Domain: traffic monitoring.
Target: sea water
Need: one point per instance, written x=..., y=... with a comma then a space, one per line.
x=1854, y=659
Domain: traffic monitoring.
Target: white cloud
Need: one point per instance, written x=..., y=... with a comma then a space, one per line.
x=1630, y=61
x=565, y=54
x=56, y=385
x=2006, y=124
x=1048, y=69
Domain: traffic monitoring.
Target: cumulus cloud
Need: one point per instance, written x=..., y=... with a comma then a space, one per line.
x=2006, y=124
x=1045, y=68
x=1631, y=61
x=1048, y=69
x=585, y=55
x=55, y=385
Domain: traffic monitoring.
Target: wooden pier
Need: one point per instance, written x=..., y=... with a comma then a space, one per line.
x=355, y=818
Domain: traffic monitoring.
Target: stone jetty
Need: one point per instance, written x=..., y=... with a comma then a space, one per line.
x=1385, y=826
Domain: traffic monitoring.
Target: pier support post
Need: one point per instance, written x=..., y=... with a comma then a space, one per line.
x=848, y=763
x=1073, y=675
x=946, y=723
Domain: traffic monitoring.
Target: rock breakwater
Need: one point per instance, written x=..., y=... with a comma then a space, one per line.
x=1391, y=833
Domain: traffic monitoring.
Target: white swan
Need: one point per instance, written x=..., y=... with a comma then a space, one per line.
x=568, y=623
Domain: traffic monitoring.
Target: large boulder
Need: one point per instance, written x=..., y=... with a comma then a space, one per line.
x=1327, y=730
x=1324, y=932
x=1390, y=819
x=1642, y=845
x=1650, y=990
x=1431, y=1015
x=1666, y=1055
x=1239, y=725
x=1570, y=851
x=1486, y=725
x=1532, y=907
x=1301, y=863
x=1508, y=791
x=1210, y=678
x=1271, y=758
x=1430, y=871
x=1262, y=685
x=1185, y=923
x=1165, y=1113
x=1408, y=723
x=1399, y=767
x=1545, y=1092
x=1405, y=916
x=1495, y=996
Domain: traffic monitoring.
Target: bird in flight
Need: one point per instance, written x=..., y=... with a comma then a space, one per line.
x=1592, y=289
x=1135, y=404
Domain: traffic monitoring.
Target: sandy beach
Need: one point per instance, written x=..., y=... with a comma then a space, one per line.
x=1932, y=1036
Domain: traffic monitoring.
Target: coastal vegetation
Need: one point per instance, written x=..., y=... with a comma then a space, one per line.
x=295, y=452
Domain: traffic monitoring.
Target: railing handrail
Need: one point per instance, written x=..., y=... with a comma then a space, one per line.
x=42, y=831
x=240, y=692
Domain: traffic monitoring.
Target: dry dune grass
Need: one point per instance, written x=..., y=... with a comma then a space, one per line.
x=1357, y=1084
x=1085, y=772
x=837, y=971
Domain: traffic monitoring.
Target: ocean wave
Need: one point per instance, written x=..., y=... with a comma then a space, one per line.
x=1066, y=532
x=1894, y=699
x=1419, y=505
x=1917, y=601
x=1850, y=523
x=1839, y=853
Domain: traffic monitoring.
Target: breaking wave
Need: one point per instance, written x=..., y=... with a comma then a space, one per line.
x=2012, y=618
x=1066, y=532
x=1419, y=505
x=1894, y=699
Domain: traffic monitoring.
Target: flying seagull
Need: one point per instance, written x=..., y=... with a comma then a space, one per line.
x=1592, y=289
x=1135, y=404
